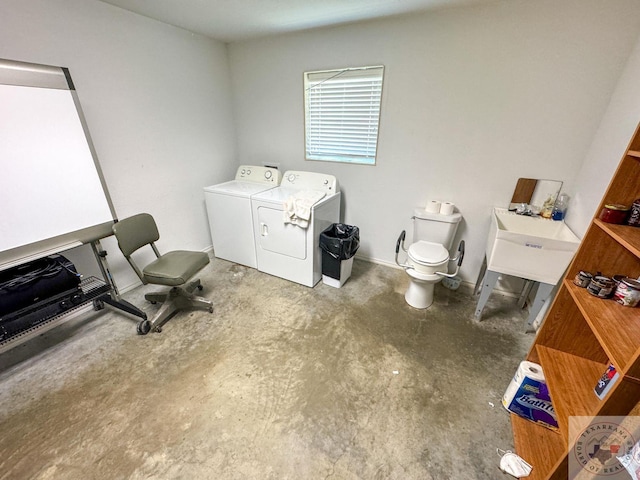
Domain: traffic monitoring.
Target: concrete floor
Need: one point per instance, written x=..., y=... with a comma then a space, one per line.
x=280, y=382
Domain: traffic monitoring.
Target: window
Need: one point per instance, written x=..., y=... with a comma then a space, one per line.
x=342, y=113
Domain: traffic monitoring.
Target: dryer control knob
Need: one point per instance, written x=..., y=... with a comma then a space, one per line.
x=242, y=172
x=291, y=178
x=326, y=182
x=268, y=174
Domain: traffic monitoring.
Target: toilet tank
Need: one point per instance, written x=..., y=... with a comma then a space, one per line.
x=435, y=227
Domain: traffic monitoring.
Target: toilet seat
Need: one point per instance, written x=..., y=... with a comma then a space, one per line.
x=428, y=255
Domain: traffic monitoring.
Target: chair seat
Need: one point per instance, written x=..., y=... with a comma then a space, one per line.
x=175, y=268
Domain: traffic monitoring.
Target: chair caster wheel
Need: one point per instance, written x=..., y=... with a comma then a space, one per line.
x=210, y=309
x=144, y=327
x=200, y=287
x=157, y=330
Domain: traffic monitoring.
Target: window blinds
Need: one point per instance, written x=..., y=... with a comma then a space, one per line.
x=342, y=113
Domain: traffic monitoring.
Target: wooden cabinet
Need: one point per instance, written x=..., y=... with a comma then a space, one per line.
x=581, y=334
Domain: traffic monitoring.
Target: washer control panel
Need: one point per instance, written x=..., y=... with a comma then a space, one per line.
x=310, y=181
x=259, y=174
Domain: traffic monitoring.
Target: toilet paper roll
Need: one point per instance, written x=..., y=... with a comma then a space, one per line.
x=433, y=206
x=525, y=370
x=528, y=396
x=447, y=208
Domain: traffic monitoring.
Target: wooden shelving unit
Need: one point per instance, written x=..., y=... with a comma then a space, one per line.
x=581, y=335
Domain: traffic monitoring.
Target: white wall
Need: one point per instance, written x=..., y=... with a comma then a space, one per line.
x=609, y=144
x=157, y=102
x=474, y=98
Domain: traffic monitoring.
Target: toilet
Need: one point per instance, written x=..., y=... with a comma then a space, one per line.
x=428, y=256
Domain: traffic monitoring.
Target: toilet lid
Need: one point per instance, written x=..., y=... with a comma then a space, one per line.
x=428, y=253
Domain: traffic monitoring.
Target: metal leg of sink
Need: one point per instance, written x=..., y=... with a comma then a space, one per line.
x=526, y=290
x=483, y=270
x=544, y=291
x=488, y=283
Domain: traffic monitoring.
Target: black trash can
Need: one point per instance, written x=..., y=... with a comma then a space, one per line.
x=339, y=243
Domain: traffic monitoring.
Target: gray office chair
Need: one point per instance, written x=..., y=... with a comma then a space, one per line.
x=173, y=269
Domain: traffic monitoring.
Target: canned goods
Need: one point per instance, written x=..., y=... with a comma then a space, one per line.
x=582, y=279
x=600, y=287
x=614, y=213
x=628, y=292
x=634, y=216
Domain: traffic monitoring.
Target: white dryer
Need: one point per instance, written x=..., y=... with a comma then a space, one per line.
x=229, y=211
x=287, y=250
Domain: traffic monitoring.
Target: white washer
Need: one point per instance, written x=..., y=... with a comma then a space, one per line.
x=229, y=212
x=286, y=250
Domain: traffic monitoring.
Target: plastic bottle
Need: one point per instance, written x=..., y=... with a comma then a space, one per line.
x=560, y=207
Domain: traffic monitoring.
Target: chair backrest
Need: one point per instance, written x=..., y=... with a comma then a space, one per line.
x=135, y=232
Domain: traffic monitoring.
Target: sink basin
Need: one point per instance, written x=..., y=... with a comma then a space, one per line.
x=535, y=248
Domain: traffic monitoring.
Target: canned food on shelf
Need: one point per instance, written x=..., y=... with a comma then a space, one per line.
x=628, y=292
x=634, y=215
x=582, y=279
x=600, y=286
x=614, y=213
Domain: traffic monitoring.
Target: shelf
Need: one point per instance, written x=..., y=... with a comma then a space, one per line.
x=616, y=327
x=625, y=235
x=582, y=334
x=539, y=446
x=570, y=380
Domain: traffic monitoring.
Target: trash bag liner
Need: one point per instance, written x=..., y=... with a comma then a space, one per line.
x=341, y=241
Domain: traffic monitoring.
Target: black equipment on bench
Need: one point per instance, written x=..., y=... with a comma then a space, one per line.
x=35, y=291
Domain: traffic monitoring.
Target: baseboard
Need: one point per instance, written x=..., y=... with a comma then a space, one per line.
x=128, y=288
x=377, y=261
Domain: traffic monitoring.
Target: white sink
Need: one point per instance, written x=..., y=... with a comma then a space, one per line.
x=535, y=248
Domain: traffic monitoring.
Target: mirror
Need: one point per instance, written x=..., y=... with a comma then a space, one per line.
x=538, y=195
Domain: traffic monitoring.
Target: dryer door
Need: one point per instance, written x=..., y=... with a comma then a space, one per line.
x=274, y=235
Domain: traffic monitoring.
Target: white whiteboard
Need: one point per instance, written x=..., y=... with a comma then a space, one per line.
x=52, y=195
x=49, y=184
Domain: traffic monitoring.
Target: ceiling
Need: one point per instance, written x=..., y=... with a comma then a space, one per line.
x=235, y=20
